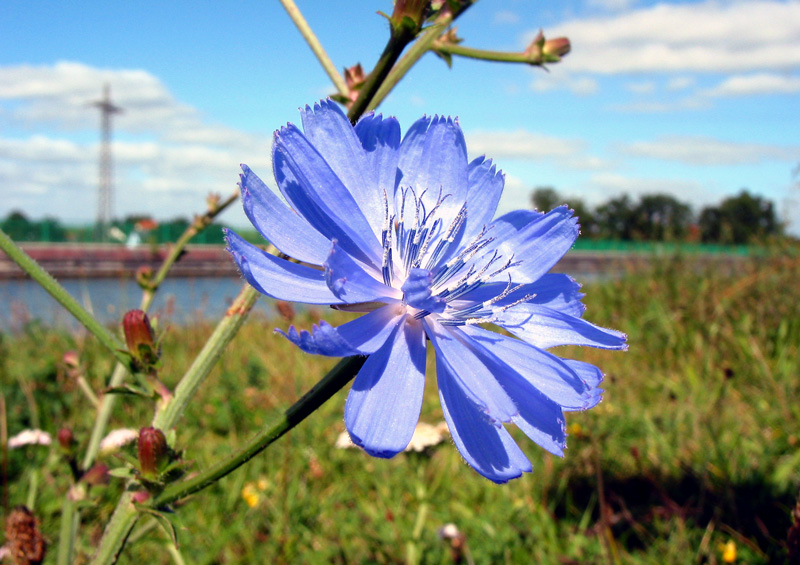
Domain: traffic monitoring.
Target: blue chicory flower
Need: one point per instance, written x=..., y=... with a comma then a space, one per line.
x=403, y=230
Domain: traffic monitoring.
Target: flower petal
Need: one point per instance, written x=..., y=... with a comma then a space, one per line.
x=361, y=336
x=539, y=245
x=317, y=194
x=380, y=138
x=485, y=188
x=485, y=445
x=433, y=161
x=384, y=403
x=545, y=328
x=537, y=415
x=352, y=284
x=554, y=290
x=279, y=224
x=470, y=368
x=544, y=371
x=330, y=132
x=277, y=277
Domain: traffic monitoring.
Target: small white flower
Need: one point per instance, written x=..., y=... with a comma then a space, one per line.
x=30, y=437
x=117, y=438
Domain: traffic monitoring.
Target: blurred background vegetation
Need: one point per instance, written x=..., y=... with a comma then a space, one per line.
x=692, y=457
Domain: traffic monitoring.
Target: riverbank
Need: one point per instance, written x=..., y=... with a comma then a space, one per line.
x=97, y=261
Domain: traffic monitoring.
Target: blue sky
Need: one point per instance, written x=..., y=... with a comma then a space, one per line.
x=695, y=98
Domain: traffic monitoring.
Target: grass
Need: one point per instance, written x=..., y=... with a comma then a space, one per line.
x=695, y=444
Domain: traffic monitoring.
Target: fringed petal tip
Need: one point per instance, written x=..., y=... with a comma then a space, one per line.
x=322, y=340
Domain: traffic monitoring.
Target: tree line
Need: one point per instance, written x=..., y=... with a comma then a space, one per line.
x=739, y=219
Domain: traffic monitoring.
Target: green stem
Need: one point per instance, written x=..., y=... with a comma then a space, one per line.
x=415, y=53
x=117, y=530
x=107, y=402
x=68, y=532
x=316, y=47
x=397, y=42
x=207, y=358
x=487, y=55
x=330, y=384
x=47, y=282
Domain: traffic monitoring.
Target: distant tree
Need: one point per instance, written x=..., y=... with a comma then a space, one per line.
x=661, y=217
x=739, y=219
x=615, y=218
x=545, y=198
x=18, y=227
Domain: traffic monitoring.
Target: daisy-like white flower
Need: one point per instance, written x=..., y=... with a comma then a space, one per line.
x=29, y=437
x=403, y=229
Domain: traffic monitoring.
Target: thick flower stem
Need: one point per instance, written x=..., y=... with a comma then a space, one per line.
x=316, y=47
x=47, y=282
x=397, y=42
x=330, y=384
x=415, y=53
x=207, y=358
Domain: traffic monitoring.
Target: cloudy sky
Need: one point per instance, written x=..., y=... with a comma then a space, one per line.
x=696, y=98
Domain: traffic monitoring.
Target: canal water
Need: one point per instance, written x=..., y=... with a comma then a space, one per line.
x=178, y=301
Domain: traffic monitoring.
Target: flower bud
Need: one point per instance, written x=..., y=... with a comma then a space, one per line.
x=547, y=51
x=554, y=49
x=97, y=475
x=66, y=439
x=411, y=13
x=139, y=337
x=71, y=359
x=153, y=452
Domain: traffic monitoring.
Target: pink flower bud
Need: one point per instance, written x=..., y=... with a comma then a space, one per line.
x=139, y=337
x=556, y=48
x=153, y=452
x=66, y=439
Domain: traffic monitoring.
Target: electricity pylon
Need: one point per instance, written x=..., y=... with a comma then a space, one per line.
x=105, y=197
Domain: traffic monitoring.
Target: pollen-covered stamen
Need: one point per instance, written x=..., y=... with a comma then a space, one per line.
x=413, y=244
x=386, y=240
x=454, y=265
x=449, y=237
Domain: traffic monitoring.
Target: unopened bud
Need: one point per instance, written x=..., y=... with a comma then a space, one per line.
x=139, y=337
x=547, y=51
x=71, y=359
x=97, y=475
x=554, y=49
x=410, y=13
x=66, y=439
x=153, y=452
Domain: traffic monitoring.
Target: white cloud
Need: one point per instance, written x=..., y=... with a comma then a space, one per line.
x=680, y=83
x=712, y=36
x=644, y=87
x=580, y=85
x=754, y=84
x=506, y=17
x=167, y=155
x=697, y=150
x=520, y=144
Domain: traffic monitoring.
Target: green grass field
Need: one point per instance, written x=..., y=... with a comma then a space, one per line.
x=696, y=444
